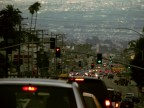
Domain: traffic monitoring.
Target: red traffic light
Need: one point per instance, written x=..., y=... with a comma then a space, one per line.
x=92, y=65
x=57, y=51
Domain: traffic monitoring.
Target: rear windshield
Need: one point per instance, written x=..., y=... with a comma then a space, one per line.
x=111, y=95
x=40, y=97
x=95, y=87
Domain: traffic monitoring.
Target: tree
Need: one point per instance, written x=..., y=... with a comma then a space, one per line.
x=32, y=9
x=37, y=6
x=2, y=65
x=132, y=43
x=10, y=19
x=138, y=74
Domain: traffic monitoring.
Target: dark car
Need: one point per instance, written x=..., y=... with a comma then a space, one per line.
x=94, y=86
x=127, y=103
x=110, y=76
x=123, y=81
x=39, y=93
x=115, y=97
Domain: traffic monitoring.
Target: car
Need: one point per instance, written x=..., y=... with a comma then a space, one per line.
x=130, y=94
x=73, y=73
x=127, y=103
x=94, y=86
x=123, y=81
x=39, y=93
x=114, y=98
x=91, y=100
x=110, y=76
x=101, y=75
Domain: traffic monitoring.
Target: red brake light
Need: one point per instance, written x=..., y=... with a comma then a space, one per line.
x=107, y=102
x=116, y=105
x=29, y=88
x=79, y=79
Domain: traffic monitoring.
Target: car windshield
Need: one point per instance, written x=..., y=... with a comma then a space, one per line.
x=52, y=38
x=36, y=97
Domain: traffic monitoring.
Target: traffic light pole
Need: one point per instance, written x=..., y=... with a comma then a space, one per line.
x=56, y=58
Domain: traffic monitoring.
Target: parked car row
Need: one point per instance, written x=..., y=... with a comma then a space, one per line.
x=122, y=81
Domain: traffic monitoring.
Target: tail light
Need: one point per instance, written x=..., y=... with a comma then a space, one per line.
x=107, y=102
x=116, y=105
x=29, y=88
x=79, y=79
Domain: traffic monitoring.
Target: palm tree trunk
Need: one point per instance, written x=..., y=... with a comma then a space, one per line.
x=7, y=59
x=35, y=21
x=28, y=43
x=31, y=22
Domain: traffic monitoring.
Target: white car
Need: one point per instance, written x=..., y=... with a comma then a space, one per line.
x=91, y=100
x=39, y=93
x=129, y=95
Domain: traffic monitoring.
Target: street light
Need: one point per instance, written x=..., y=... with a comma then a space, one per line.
x=132, y=30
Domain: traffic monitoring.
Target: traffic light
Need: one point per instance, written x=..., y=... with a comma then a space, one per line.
x=99, y=58
x=127, y=66
x=58, y=52
x=110, y=59
x=79, y=64
x=52, y=43
x=92, y=65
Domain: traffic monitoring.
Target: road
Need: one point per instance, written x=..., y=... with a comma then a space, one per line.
x=123, y=89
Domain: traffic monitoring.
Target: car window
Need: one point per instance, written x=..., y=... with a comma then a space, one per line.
x=43, y=97
x=111, y=94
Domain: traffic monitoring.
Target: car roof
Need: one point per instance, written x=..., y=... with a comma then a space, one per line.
x=34, y=81
x=110, y=89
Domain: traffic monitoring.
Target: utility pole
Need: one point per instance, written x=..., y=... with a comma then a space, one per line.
x=19, y=51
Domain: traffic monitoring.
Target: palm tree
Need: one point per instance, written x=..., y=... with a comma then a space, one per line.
x=132, y=43
x=10, y=19
x=37, y=6
x=34, y=8
x=31, y=10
